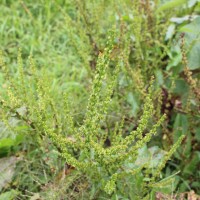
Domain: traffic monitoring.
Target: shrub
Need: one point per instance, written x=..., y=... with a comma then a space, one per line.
x=29, y=99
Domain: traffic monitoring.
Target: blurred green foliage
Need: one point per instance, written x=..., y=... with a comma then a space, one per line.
x=65, y=39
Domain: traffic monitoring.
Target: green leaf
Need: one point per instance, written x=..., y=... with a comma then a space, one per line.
x=159, y=77
x=192, y=44
x=191, y=3
x=188, y=145
x=175, y=58
x=194, y=57
x=7, y=143
x=133, y=101
x=143, y=156
x=197, y=134
x=180, y=20
x=170, y=31
x=191, y=166
x=9, y=195
x=156, y=155
x=170, y=5
x=152, y=155
x=181, y=87
x=181, y=126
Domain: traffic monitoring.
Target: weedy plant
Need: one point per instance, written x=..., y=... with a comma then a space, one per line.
x=85, y=148
x=103, y=148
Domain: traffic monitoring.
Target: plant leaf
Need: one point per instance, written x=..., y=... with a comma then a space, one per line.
x=170, y=5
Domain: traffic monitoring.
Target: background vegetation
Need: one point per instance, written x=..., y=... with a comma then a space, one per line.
x=104, y=76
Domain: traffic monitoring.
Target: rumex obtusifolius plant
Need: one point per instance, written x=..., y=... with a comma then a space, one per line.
x=82, y=147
